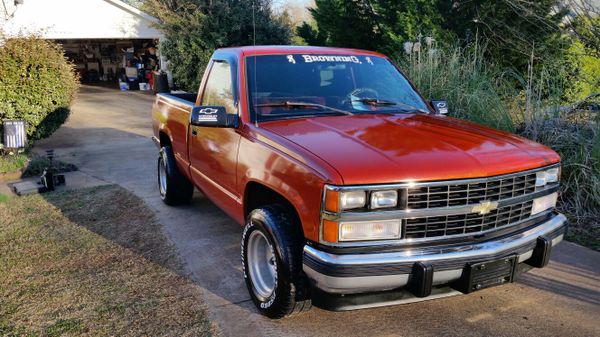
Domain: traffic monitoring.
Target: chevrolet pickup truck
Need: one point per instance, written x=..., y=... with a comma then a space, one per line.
x=353, y=190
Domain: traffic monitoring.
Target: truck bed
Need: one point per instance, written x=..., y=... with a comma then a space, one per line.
x=185, y=98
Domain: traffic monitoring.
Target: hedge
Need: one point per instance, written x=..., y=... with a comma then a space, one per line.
x=37, y=84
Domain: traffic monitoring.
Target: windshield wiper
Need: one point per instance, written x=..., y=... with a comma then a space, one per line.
x=381, y=102
x=374, y=101
x=301, y=105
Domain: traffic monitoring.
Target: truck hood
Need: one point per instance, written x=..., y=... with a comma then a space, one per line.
x=375, y=149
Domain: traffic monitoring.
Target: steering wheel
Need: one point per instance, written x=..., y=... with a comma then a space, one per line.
x=358, y=94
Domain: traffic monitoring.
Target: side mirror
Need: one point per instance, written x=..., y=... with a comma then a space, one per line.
x=440, y=107
x=213, y=116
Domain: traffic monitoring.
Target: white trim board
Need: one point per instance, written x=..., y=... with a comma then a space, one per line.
x=81, y=19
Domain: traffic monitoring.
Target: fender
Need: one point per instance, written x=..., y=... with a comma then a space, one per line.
x=279, y=186
x=182, y=163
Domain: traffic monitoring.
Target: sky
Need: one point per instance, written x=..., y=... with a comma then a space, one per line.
x=296, y=8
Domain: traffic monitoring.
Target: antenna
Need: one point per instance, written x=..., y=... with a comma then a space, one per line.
x=254, y=75
x=253, y=24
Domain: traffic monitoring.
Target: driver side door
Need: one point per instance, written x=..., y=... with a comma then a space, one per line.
x=213, y=151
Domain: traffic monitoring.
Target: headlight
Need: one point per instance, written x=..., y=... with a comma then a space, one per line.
x=543, y=203
x=352, y=199
x=369, y=230
x=547, y=176
x=383, y=199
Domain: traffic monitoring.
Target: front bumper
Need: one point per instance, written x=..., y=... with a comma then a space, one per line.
x=371, y=272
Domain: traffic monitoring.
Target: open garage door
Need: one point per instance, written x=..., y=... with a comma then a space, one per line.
x=109, y=62
x=107, y=40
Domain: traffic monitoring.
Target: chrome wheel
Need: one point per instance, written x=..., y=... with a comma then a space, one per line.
x=162, y=177
x=262, y=265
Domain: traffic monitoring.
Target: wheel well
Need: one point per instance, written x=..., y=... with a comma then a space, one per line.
x=258, y=195
x=164, y=139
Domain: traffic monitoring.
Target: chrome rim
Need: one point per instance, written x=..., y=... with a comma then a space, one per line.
x=261, y=265
x=162, y=177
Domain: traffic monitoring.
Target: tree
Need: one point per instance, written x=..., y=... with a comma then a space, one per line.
x=584, y=76
x=296, y=13
x=584, y=23
x=583, y=57
x=511, y=29
x=381, y=25
x=195, y=28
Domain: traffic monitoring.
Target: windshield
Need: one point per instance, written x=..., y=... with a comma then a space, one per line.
x=288, y=86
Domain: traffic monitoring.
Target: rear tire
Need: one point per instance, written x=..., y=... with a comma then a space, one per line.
x=173, y=186
x=272, y=245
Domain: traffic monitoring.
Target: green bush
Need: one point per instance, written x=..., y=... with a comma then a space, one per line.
x=473, y=88
x=478, y=91
x=12, y=163
x=31, y=164
x=37, y=84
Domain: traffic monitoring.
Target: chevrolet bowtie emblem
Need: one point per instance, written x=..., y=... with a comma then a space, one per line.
x=485, y=207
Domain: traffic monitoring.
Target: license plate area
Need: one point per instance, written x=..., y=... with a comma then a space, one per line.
x=477, y=276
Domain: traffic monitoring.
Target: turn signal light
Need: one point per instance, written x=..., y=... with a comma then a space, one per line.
x=332, y=201
x=330, y=231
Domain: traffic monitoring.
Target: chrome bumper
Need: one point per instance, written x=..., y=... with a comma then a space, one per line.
x=360, y=273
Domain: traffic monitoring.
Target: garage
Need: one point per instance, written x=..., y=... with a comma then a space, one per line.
x=110, y=42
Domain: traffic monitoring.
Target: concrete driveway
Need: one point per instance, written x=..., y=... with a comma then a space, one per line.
x=108, y=137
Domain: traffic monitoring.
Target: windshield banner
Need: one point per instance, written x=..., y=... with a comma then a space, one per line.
x=326, y=58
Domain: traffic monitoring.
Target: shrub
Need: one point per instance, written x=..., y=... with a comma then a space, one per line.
x=477, y=90
x=37, y=164
x=12, y=163
x=37, y=84
x=473, y=88
x=576, y=137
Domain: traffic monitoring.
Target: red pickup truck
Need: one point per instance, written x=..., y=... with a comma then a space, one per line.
x=353, y=190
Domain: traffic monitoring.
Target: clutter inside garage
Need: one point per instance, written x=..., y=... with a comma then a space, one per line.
x=129, y=64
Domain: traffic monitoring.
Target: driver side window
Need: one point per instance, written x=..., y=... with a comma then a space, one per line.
x=219, y=88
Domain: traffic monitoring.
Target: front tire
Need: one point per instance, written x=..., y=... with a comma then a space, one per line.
x=272, y=244
x=174, y=188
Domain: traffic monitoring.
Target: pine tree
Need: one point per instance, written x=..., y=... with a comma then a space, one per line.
x=511, y=29
x=381, y=25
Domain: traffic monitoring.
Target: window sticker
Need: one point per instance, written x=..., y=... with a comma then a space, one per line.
x=369, y=60
x=290, y=59
x=330, y=58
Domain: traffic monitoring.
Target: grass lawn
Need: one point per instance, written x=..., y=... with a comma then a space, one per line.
x=92, y=262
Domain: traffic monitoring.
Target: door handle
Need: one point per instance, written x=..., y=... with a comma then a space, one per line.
x=194, y=132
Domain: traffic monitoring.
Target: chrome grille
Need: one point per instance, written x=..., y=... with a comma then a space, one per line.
x=440, y=210
x=469, y=193
x=435, y=226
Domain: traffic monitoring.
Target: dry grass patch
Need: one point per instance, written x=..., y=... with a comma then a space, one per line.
x=91, y=262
